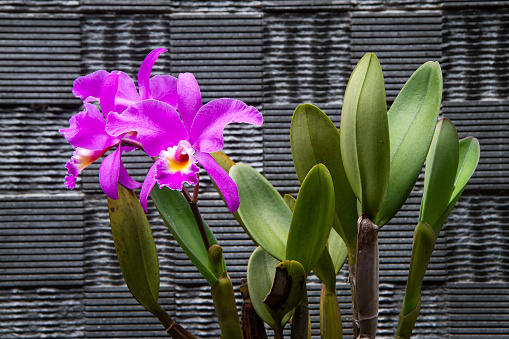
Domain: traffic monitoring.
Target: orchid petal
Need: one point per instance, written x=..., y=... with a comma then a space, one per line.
x=164, y=88
x=148, y=184
x=145, y=70
x=157, y=123
x=224, y=183
x=109, y=172
x=118, y=93
x=88, y=87
x=189, y=98
x=176, y=165
x=125, y=179
x=80, y=159
x=210, y=121
x=87, y=130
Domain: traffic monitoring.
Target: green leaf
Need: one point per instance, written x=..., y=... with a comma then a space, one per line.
x=365, y=144
x=338, y=250
x=135, y=247
x=262, y=211
x=226, y=308
x=314, y=140
x=440, y=173
x=469, y=158
x=287, y=290
x=312, y=218
x=412, y=120
x=406, y=323
x=261, y=271
x=325, y=270
x=178, y=217
x=422, y=248
x=330, y=315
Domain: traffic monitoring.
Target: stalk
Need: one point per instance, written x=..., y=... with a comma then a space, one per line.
x=252, y=324
x=352, y=277
x=300, y=320
x=226, y=309
x=172, y=328
x=366, y=283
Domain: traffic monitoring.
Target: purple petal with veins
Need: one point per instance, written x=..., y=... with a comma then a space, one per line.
x=164, y=88
x=223, y=181
x=87, y=130
x=144, y=73
x=210, y=121
x=189, y=98
x=88, y=87
x=157, y=123
x=118, y=93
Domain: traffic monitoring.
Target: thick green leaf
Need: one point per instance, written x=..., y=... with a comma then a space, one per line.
x=406, y=323
x=440, y=173
x=287, y=291
x=365, y=141
x=178, y=217
x=330, y=315
x=324, y=269
x=412, y=120
x=338, y=250
x=261, y=271
x=135, y=247
x=314, y=140
x=336, y=246
x=469, y=158
x=422, y=248
x=263, y=212
x=226, y=308
x=312, y=218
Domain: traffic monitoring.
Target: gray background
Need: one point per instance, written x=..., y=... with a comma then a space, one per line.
x=58, y=272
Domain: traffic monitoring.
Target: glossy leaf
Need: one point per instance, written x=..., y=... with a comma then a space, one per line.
x=135, y=247
x=469, y=158
x=440, y=173
x=287, y=290
x=412, y=120
x=365, y=144
x=178, y=217
x=336, y=246
x=314, y=140
x=324, y=269
x=330, y=314
x=225, y=307
x=422, y=248
x=261, y=271
x=338, y=250
x=262, y=211
x=312, y=218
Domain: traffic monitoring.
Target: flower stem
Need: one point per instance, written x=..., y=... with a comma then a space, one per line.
x=193, y=203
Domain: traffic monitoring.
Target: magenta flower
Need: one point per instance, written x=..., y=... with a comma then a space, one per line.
x=88, y=136
x=115, y=92
x=181, y=140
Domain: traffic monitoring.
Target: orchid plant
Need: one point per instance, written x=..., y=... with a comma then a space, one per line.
x=352, y=184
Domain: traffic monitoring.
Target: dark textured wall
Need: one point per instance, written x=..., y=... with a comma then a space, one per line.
x=58, y=272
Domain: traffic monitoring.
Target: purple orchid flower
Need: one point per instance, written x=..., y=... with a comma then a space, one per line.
x=183, y=139
x=115, y=92
x=88, y=136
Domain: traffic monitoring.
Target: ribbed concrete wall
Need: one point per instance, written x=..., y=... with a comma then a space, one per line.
x=58, y=272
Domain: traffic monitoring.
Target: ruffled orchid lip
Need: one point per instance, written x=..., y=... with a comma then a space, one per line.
x=176, y=166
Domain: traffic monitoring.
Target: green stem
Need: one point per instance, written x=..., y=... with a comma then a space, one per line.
x=226, y=309
x=172, y=328
x=193, y=203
